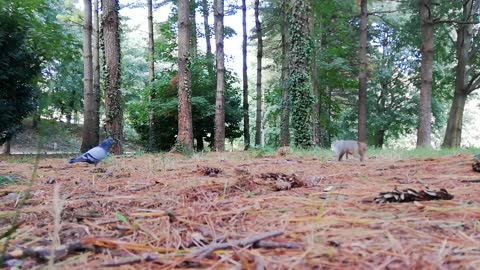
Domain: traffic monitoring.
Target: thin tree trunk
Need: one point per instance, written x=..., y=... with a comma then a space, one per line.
x=285, y=117
x=7, y=147
x=200, y=144
x=315, y=90
x=379, y=138
x=96, y=71
x=113, y=95
x=246, y=118
x=362, y=75
x=425, y=108
x=258, y=30
x=185, y=128
x=453, y=133
x=88, y=131
x=207, y=38
x=220, y=99
x=151, y=78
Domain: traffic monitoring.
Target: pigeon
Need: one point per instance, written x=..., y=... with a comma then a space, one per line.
x=96, y=154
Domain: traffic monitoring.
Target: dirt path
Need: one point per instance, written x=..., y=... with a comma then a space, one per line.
x=234, y=196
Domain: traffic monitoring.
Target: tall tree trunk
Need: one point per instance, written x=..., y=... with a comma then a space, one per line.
x=426, y=75
x=316, y=106
x=285, y=116
x=362, y=75
x=258, y=30
x=453, y=133
x=220, y=99
x=207, y=37
x=96, y=71
x=151, y=78
x=193, y=28
x=246, y=118
x=185, y=128
x=113, y=95
x=299, y=73
x=88, y=132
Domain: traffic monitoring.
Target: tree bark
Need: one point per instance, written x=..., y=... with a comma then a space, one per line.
x=151, y=78
x=219, y=138
x=113, y=95
x=193, y=28
x=88, y=132
x=316, y=106
x=426, y=75
x=200, y=145
x=185, y=128
x=246, y=118
x=285, y=116
x=379, y=138
x=207, y=38
x=299, y=73
x=7, y=147
x=96, y=70
x=258, y=122
x=362, y=75
x=453, y=133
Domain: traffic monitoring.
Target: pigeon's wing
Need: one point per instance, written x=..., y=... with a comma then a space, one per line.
x=95, y=154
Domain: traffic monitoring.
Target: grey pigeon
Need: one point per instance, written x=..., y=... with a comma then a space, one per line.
x=96, y=154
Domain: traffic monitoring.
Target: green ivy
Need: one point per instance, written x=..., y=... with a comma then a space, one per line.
x=299, y=76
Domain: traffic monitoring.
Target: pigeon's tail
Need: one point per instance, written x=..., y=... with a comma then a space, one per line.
x=77, y=159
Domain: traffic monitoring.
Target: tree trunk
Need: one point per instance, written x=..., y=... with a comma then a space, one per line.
x=299, y=73
x=193, y=28
x=362, y=75
x=113, y=95
x=258, y=30
x=379, y=138
x=151, y=78
x=185, y=128
x=316, y=93
x=246, y=118
x=207, y=38
x=453, y=133
x=285, y=116
x=96, y=71
x=7, y=147
x=425, y=108
x=220, y=99
x=200, y=145
x=88, y=132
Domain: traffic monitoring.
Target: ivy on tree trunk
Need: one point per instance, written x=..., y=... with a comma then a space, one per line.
x=299, y=73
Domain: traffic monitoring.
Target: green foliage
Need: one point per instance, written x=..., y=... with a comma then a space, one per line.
x=298, y=75
x=19, y=71
x=165, y=104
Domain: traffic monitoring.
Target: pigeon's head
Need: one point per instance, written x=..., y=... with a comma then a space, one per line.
x=107, y=143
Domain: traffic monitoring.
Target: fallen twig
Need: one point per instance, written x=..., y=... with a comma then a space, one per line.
x=144, y=187
x=272, y=244
x=205, y=251
x=130, y=260
x=43, y=253
x=471, y=181
x=114, y=244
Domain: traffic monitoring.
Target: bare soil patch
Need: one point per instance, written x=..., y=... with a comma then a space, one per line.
x=157, y=211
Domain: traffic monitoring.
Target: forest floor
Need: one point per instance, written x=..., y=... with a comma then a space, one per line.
x=303, y=210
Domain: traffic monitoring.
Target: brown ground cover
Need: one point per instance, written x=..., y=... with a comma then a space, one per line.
x=157, y=211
